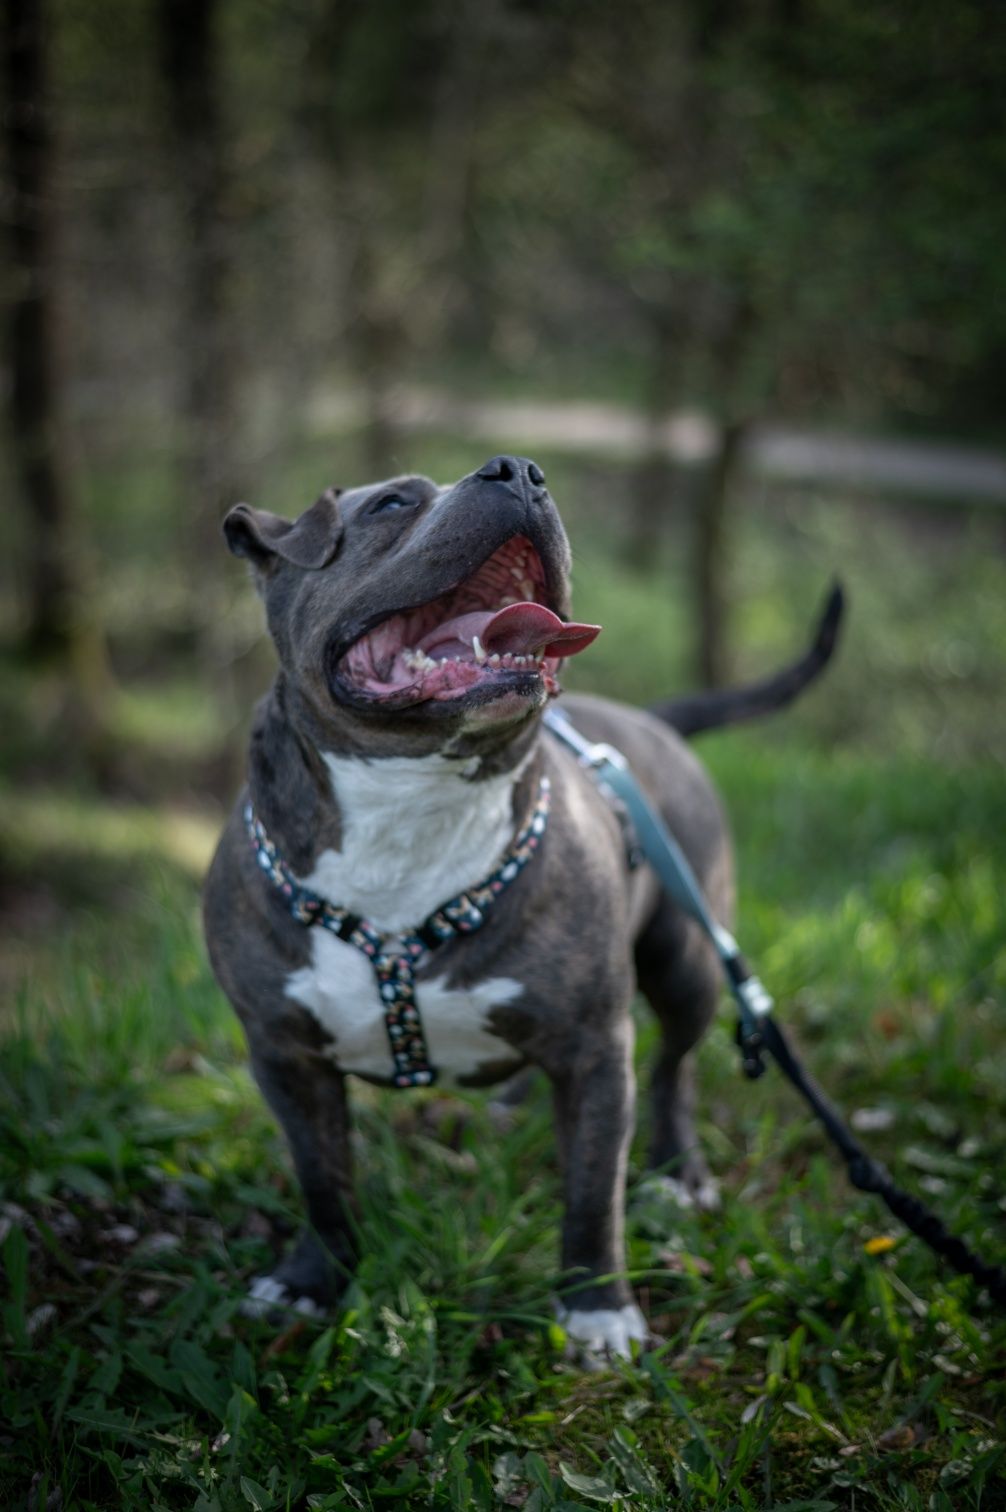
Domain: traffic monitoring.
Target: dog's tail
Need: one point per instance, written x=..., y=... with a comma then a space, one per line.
x=706, y=711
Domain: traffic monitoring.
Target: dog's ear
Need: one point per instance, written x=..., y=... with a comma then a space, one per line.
x=309, y=542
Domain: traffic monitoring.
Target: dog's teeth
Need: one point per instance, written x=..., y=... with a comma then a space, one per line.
x=527, y=588
x=479, y=649
x=507, y=600
x=418, y=661
x=517, y=572
x=495, y=659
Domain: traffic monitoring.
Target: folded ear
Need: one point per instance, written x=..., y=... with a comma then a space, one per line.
x=309, y=542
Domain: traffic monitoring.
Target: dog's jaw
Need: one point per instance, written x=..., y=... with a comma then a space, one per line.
x=495, y=635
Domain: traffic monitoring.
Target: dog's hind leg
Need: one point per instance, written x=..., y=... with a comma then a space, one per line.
x=680, y=977
x=309, y=1100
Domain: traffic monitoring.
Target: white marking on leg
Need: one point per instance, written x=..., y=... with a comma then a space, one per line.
x=266, y=1293
x=605, y=1330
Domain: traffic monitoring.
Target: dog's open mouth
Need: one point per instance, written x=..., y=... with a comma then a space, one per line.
x=492, y=629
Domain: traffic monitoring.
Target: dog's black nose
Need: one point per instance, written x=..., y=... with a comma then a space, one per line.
x=512, y=470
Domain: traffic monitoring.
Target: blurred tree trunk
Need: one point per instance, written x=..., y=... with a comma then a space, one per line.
x=656, y=480
x=373, y=336
x=455, y=257
x=40, y=453
x=711, y=559
x=377, y=343
x=190, y=66
x=711, y=565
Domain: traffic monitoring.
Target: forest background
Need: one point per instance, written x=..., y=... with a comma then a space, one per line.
x=732, y=271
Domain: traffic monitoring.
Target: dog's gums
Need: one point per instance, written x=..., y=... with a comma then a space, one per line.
x=492, y=629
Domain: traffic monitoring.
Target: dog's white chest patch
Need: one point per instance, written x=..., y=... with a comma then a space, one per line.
x=415, y=834
x=339, y=988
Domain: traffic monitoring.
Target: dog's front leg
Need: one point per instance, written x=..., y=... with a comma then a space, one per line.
x=308, y=1096
x=595, y=1110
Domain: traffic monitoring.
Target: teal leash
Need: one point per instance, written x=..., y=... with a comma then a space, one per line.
x=758, y=1032
x=612, y=773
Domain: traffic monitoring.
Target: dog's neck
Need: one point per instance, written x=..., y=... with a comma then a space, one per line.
x=391, y=837
x=416, y=831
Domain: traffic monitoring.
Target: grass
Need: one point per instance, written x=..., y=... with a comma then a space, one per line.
x=144, y=1184
x=811, y=1355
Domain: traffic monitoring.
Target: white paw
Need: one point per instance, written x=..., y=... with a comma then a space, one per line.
x=266, y=1293
x=669, y=1189
x=604, y=1330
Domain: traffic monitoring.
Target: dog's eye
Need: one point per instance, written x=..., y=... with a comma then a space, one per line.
x=389, y=501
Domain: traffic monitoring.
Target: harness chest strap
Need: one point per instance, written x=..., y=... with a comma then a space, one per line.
x=395, y=956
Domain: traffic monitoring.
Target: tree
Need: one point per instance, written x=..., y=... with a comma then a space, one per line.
x=192, y=70
x=39, y=442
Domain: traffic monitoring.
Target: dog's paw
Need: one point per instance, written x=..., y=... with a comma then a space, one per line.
x=595, y=1334
x=703, y=1194
x=267, y=1295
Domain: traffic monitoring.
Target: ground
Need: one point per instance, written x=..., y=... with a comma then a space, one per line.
x=811, y=1354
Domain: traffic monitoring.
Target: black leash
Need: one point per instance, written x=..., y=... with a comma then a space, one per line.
x=758, y=1033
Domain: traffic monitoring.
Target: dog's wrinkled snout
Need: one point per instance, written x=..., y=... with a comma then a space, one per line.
x=520, y=471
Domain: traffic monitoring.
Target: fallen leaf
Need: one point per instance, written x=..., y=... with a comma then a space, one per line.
x=283, y=1340
x=39, y=1319
x=159, y=1244
x=121, y=1233
x=376, y=1435
x=901, y=1437
x=871, y=1120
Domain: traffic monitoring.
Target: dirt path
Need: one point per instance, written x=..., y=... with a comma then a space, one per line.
x=928, y=468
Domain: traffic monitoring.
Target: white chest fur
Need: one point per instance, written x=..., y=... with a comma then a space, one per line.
x=414, y=834
x=340, y=990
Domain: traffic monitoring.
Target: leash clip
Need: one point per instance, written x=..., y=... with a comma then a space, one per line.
x=755, y=1004
x=751, y=1045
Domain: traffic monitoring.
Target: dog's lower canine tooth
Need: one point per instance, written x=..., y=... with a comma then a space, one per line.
x=478, y=648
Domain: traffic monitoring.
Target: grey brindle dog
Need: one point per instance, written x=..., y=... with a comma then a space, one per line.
x=398, y=765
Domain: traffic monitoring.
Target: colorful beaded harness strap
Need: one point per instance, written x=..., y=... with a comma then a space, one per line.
x=395, y=955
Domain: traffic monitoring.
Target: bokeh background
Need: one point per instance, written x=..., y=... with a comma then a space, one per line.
x=732, y=271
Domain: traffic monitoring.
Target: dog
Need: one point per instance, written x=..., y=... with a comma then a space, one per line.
x=421, y=884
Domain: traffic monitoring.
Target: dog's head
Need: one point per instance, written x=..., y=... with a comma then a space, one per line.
x=416, y=618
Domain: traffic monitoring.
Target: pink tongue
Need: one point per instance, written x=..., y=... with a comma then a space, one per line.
x=518, y=629
x=522, y=628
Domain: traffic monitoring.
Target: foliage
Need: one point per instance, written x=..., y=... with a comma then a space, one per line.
x=144, y=1185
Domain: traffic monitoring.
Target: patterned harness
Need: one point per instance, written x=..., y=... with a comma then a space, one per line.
x=396, y=955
